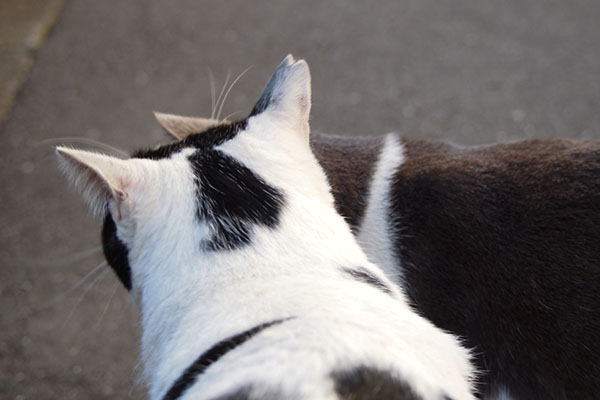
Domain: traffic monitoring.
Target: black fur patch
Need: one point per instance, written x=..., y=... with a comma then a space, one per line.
x=116, y=252
x=232, y=199
x=240, y=394
x=211, y=356
x=366, y=383
x=202, y=140
x=363, y=275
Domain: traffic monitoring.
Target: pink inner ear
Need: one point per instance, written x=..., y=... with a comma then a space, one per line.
x=117, y=186
x=98, y=177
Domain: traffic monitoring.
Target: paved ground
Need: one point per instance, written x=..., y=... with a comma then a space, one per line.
x=23, y=27
x=471, y=72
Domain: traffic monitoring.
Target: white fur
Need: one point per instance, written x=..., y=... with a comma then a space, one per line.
x=377, y=228
x=98, y=177
x=191, y=299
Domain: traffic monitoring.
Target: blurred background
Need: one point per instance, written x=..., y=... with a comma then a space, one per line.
x=471, y=72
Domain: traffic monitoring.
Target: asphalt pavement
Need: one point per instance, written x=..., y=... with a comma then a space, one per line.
x=465, y=71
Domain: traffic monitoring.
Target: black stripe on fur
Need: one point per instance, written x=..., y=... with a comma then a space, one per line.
x=211, y=356
x=363, y=275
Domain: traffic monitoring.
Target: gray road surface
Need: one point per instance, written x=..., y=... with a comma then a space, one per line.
x=468, y=71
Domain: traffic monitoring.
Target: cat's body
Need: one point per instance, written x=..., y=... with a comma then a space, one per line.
x=250, y=285
x=499, y=244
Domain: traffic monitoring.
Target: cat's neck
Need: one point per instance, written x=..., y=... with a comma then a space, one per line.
x=311, y=240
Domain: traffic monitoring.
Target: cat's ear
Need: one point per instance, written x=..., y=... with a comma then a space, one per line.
x=287, y=95
x=98, y=177
x=181, y=127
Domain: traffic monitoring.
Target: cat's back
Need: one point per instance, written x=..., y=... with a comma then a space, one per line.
x=544, y=189
x=498, y=243
x=501, y=244
x=332, y=351
x=547, y=164
x=543, y=192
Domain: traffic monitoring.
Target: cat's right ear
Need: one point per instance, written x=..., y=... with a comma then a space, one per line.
x=287, y=95
x=99, y=178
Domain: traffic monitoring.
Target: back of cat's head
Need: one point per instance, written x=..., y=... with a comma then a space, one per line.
x=214, y=190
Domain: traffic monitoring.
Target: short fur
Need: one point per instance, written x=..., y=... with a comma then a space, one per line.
x=501, y=244
x=349, y=163
x=262, y=183
x=364, y=383
x=498, y=244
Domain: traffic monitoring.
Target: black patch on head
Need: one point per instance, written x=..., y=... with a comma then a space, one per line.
x=231, y=199
x=213, y=355
x=116, y=252
x=202, y=140
x=364, y=275
x=367, y=383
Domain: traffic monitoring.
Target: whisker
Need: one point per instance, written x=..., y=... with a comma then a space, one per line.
x=92, y=142
x=138, y=377
x=107, y=304
x=66, y=260
x=125, y=308
x=85, y=278
x=80, y=299
x=139, y=374
x=223, y=90
x=136, y=384
x=133, y=387
x=231, y=87
x=231, y=115
x=211, y=82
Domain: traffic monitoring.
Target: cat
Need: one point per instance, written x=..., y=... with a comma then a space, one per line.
x=249, y=283
x=499, y=244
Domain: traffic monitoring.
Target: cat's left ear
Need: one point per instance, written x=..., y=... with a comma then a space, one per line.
x=181, y=127
x=99, y=178
x=287, y=95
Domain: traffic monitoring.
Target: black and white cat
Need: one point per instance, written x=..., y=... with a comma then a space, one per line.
x=499, y=244
x=250, y=284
